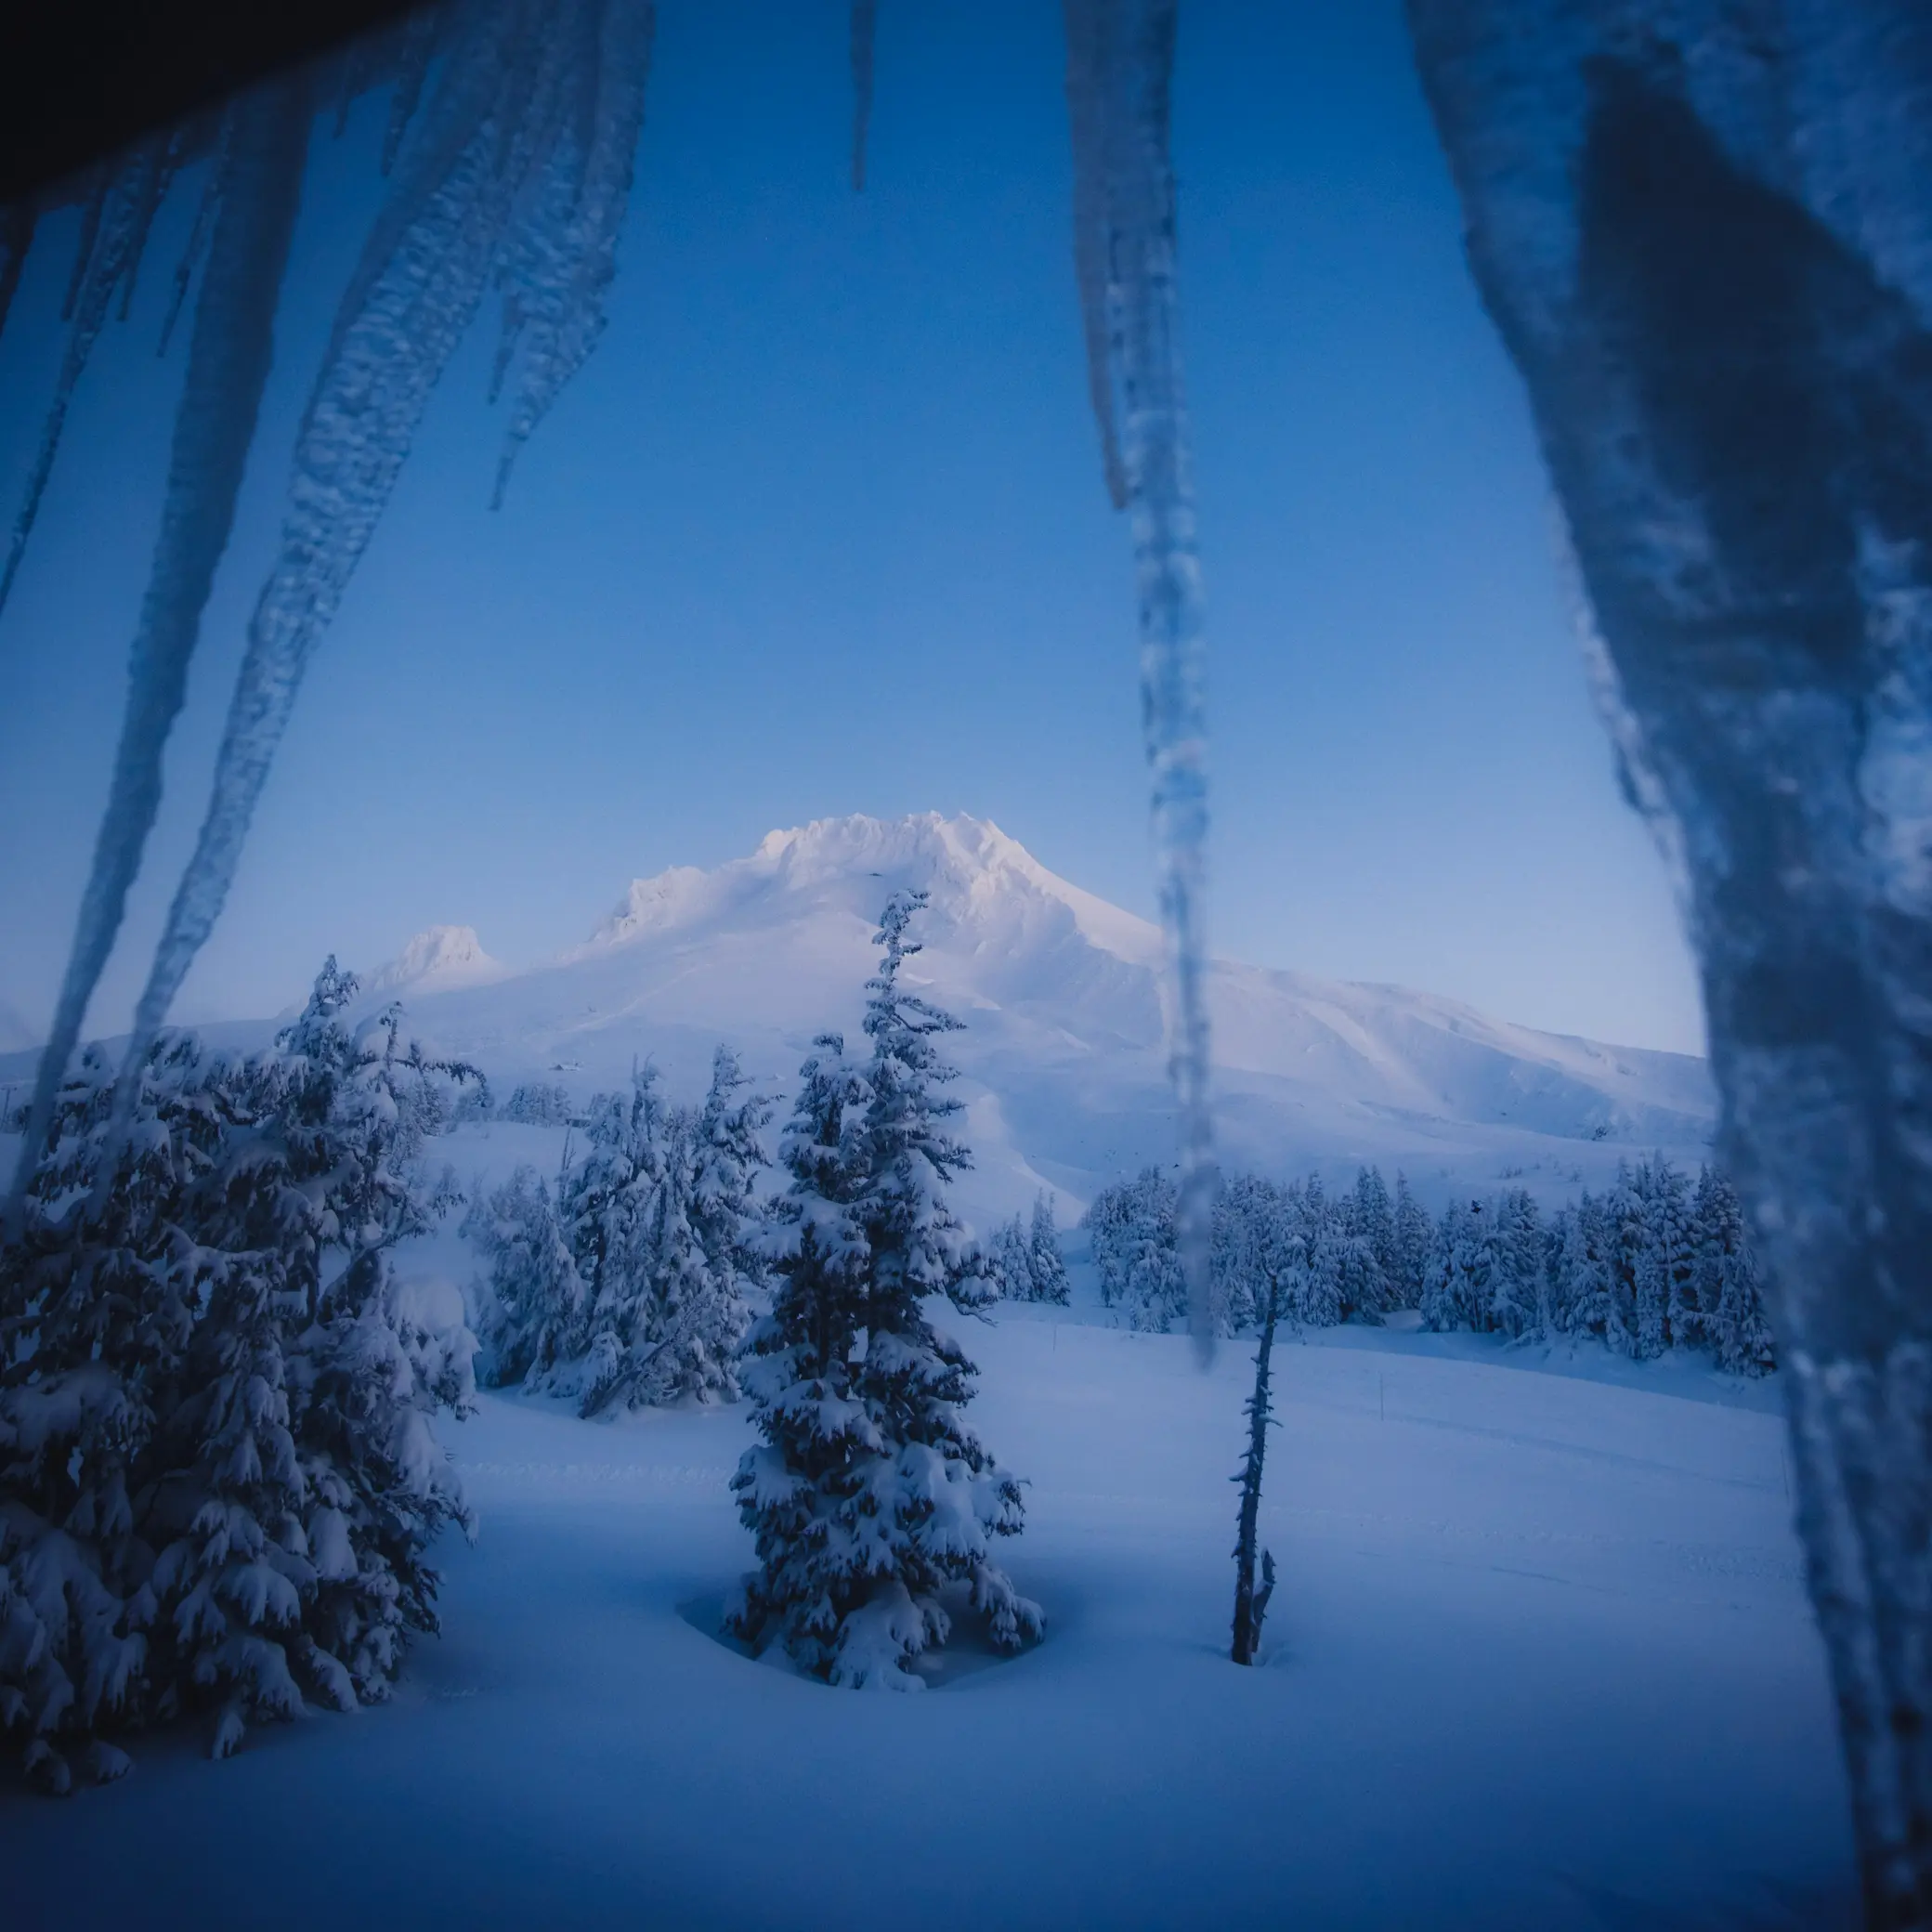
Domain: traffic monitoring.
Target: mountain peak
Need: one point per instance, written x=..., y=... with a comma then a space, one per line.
x=438, y=960
x=971, y=869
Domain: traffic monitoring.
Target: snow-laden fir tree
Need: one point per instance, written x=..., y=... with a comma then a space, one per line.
x=218, y=1469
x=1046, y=1265
x=869, y=1497
x=1009, y=1261
x=1132, y=1229
x=1732, y=1317
x=533, y=1303
x=692, y=1256
x=1415, y=1239
x=1519, y=1289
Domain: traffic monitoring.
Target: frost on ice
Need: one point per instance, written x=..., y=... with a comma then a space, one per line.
x=1706, y=232
x=1120, y=59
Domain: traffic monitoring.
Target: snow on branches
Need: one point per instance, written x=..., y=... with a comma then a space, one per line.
x=869, y=1498
x=220, y=1474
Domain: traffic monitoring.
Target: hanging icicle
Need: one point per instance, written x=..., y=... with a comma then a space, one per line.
x=564, y=260
x=213, y=187
x=422, y=35
x=521, y=166
x=865, y=29
x=16, y=239
x=227, y=365
x=1120, y=59
x=120, y=215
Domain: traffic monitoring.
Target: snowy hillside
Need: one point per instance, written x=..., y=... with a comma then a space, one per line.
x=1063, y=1055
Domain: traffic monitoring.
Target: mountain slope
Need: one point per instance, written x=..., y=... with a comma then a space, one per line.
x=1063, y=1055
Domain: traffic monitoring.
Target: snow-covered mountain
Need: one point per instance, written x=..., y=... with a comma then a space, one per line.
x=437, y=960
x=1063, y=1055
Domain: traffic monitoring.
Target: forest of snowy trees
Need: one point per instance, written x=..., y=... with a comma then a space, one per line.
x=1653, y=1262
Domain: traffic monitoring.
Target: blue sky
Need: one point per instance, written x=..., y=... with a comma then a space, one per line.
x=821, y=529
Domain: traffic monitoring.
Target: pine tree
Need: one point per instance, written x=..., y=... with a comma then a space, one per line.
x=1734, y=1321
x=1457, y=1293
x=1516, y=1265
x=868, y=1496
x=1046, y=1264
x=1012, y=1261
x=1319, y=1296
x=1373, y=1219
x=535, y=1305
x=218, y=1472
x=1414, y=1242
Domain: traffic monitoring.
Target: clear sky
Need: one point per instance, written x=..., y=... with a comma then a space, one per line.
x=821, y=529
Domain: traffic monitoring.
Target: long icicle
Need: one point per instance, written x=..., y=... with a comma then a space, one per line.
x=16, y=239
x=560, y=315
x=124, y=212
x=1086, y=24
x=490, y=128
x=1119, y=78
x=220, y=160
x=865, y=31
x=227, y=366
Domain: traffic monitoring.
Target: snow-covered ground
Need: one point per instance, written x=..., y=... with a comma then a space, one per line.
x=1540, y=1657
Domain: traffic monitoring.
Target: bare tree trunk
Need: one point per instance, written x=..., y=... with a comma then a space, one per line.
x=1251, y=1606
x=1706, y=232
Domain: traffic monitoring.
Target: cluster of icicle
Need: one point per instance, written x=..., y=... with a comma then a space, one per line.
x=511, y=145
x=1120, y=72
x=514, y=126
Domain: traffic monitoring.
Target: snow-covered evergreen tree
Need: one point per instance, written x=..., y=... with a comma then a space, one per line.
x=538, y=1106
x=1372, y=1218
x=868, y=1496
x=219, y=1470
x=1045, y=1263
x=1456, y=1295
x=1011, y=1261
x=1516, y=1266
x=533, y=1304
x=1414, y=1242
x=1734, y=1317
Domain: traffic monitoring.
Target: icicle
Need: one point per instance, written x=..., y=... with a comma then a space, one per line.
x=491, y=132
x=560, y=302
x=219, y=161
x=227, y=365
x=125, y=212
x=1086, y=25
x=864, y=24
x=16, y=239
x=421, y=35
x=1119, y=76
x=1705, y=235
x=154, y=192
x=99, y=177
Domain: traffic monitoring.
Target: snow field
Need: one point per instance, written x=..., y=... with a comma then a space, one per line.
x=1540, y=1656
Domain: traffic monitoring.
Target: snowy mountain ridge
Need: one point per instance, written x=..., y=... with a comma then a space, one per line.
x=1063, y=1057
x=435, y=961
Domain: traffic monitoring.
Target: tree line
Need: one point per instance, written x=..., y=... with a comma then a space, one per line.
x=1655, y=1261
